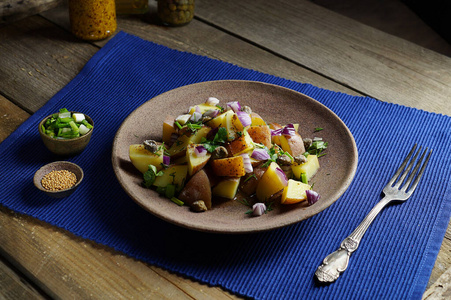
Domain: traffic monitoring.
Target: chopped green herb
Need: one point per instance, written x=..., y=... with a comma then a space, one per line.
x=150, y=175
x=318, y=129
x=250, y=177
x=219, y=139
x=304, y=178
x=177, y=201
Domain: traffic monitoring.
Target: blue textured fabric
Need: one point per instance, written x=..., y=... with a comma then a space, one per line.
x=394, y=260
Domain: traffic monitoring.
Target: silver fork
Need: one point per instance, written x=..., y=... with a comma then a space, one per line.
x=396, y=190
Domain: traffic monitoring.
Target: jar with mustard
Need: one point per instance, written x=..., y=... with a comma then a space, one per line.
x=92, y=19
x=175, y=12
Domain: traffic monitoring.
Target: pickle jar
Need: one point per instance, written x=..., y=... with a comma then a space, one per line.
x=124, y=7
x=175, y=12
x=92, y=19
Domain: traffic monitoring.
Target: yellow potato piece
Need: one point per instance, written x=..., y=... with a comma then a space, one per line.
x=241, y=144
x=141, y=158
x=270, y=183
x=195, y=162
x=230, y=166
x=226, y=188
x=294, y=192
x=175, y=174
x=310, y=168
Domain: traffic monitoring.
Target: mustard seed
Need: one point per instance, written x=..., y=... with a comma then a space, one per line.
x=59, y=180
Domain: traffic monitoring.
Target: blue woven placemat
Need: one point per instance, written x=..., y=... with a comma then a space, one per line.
x=394, y=260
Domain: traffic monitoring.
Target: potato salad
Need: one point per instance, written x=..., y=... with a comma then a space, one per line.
x=227, y=151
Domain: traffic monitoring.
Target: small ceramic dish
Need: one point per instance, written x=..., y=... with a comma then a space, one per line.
x=58, y=166
x=66, y=147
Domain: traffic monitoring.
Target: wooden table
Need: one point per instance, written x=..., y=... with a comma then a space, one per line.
x=297, y=40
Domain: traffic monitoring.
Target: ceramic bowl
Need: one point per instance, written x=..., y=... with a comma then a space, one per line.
x=57, y=166
x=67, y=147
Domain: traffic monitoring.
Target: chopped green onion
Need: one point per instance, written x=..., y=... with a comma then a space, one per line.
x=177, y=201
x=304, y=178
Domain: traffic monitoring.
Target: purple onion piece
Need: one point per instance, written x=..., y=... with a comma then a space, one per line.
x=196, y=116
x=312, y=197
x=245, y=118
x=212, y=101
x=276, y=132
x=260, y=154
x=289, y=130
x=166, y=160
x=200, y=151
x=282, y=175
x=247, y=163
x=258, y=209
x=211, y=113
x=235, y=106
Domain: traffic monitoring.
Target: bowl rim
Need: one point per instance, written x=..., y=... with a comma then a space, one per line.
x=37, y=179
x=65, y=140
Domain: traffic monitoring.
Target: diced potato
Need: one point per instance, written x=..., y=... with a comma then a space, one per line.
x=260, y=134
x=175, y=174
x=183, y=119
x=197, y=188
x=233, y=125
x=230, y=166
x=195, y=162
x=141, y=158
x=310, y=168
x=196, y=138
x=292, y=144
x=178, y=149
x=219, y=120
x=294, y=192
x=202, y=108
x=256, y=120
x=241, y=144
x=226, y=188
x=168, y=129
x=271, y=183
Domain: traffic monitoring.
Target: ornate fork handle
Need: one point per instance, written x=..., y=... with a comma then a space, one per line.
x=337, y=262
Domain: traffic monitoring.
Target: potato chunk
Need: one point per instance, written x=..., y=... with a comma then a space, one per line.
x=310, y=168
x=227, y=188
x=141, y=158
x=271, y=182
x=230, y=166
x=195, y=162
x=175, y=174
x=197, y=188
x=294, y=192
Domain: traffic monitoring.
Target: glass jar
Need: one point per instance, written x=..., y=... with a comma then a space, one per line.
x=132, y=6
x=175, y=12
x=92, y=19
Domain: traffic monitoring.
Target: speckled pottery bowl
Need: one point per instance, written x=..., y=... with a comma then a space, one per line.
x=66, y=147
x=57, y=166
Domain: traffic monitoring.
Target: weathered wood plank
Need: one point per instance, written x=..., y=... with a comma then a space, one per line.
x=11, y=117
x=200, y=38
x=358, y=56
x=67, y=267
x=13, y=286
x=13, y=10
x=37, y=59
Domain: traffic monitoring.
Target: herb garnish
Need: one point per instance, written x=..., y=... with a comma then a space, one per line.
x=317, y=148
x=219, y=139
x=150, y=175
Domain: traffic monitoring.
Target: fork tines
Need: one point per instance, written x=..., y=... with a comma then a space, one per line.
x=409, y=186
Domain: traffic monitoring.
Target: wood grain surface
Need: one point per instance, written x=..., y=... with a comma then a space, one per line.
x=39, y=56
